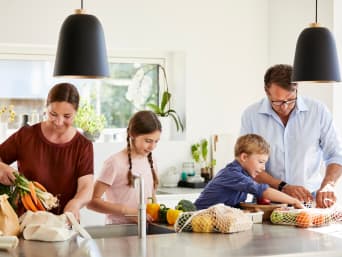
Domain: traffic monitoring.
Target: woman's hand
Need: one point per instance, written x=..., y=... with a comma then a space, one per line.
x=6, y=174
x=74, y=207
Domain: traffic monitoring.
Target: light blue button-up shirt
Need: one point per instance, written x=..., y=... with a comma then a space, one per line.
x=297, y=149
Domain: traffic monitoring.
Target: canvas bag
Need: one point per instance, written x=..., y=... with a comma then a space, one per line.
x=9, y=222
x=46, y=226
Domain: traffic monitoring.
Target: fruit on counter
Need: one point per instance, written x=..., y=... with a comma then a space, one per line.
x=277, y=217
x=152, y=209
x=163, y=214
x=172, y=215
x=303, y=220
x=202, y=223
x=318, y=220
x=263, y=201
x=183, y=223
x=185, y=205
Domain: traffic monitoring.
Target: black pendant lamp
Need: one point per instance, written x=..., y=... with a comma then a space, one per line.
x=81, y=51
x=316, y=58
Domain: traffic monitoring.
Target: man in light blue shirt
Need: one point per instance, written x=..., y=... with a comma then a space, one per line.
x=302, y=136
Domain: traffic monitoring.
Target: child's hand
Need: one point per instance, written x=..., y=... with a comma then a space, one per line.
x=298, y=204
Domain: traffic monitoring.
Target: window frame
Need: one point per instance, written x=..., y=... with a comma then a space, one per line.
x=47, y=53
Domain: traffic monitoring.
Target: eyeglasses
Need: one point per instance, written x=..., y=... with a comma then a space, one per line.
x=280, y=103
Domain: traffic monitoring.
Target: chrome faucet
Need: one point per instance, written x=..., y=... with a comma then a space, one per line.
x=139, y=181
x=142, y=206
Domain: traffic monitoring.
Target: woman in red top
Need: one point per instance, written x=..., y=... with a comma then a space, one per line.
x=53, y=152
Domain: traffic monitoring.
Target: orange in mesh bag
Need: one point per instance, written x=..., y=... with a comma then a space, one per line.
x=218, y=218
x=304, y=218
x=9, y=222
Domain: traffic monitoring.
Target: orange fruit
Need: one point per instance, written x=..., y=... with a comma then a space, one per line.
x=303, y=220
x=318, y=220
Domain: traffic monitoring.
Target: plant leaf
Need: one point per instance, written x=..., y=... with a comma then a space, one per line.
x=177, y=119
x=155, y=108
x=165, y=100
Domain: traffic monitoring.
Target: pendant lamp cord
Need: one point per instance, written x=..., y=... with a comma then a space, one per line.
x=82, y=4
x=315, y=15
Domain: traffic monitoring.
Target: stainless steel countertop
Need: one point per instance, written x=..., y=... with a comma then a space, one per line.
x=262, y=240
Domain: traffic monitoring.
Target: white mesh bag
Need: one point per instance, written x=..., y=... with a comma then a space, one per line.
x=309, y=217
x=218, y=218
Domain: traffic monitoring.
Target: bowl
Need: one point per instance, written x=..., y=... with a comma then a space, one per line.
x=266, y=208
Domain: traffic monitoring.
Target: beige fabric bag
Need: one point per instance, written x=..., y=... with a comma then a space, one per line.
x=9, y=222
x=46, y=226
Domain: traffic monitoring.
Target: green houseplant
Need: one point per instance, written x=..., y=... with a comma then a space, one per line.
x=199, y=152
x=163, y=109
x=89, y=121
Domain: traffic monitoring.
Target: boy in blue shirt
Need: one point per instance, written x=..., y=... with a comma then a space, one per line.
x=232, y=184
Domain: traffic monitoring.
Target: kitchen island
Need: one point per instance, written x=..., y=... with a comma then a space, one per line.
x=261, y=240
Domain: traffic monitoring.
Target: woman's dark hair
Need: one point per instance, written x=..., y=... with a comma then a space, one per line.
x=64, y=92
x=281, y=75
x=142, y=122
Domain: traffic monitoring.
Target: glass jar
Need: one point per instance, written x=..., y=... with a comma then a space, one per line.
x=188, y=168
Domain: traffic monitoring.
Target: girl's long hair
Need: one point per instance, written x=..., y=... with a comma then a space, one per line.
x=142, y=122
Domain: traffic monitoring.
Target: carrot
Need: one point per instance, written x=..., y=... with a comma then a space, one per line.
x=23, y=201
x=39, y=186
x=33, y=192
x=26, y=199
x=39, y=205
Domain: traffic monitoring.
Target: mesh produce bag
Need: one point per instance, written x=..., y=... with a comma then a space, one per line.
x=218, y=218
x=309, y=217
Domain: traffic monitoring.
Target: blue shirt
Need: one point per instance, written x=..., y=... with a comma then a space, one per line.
x=297, y=149
x=230, y=186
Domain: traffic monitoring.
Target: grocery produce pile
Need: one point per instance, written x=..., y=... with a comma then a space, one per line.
x=218, y=218
x=165, y=215
x=31, y=194
x=304, y=218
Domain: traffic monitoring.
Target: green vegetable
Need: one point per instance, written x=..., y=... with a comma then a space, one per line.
x=163, y=214
x=185, y=205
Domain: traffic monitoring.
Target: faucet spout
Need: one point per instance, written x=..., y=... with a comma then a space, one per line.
x=142, y=207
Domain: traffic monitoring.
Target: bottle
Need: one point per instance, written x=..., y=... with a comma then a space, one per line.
x=24, y=120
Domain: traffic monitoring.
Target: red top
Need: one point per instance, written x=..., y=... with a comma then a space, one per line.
x=56, y=166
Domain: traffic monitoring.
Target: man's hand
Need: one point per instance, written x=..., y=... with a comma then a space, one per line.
x=325, y=197
x=299, y=192
x=6, y=174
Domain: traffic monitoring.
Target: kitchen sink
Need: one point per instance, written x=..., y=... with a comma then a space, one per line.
x=125, y=230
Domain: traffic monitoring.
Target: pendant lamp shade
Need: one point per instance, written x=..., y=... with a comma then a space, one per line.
x=316, y=58
x=81, y=51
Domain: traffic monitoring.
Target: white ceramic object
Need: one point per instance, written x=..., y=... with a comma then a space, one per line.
x=171, y=177
x=256, y=217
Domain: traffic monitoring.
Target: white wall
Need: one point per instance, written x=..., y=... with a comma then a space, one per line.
x=225, y=43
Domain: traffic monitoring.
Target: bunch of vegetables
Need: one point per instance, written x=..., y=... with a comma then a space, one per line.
x=31, y=194
x=162, y=214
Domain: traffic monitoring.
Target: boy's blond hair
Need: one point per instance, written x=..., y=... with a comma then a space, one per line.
x=251, y=144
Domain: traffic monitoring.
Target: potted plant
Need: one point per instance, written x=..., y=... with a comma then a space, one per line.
x=89, y=121
x=199, y=152
x=163, y=109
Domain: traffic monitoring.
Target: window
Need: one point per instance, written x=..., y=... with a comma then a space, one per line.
x=130, y=87
x=132, y=84
x=26, y=73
